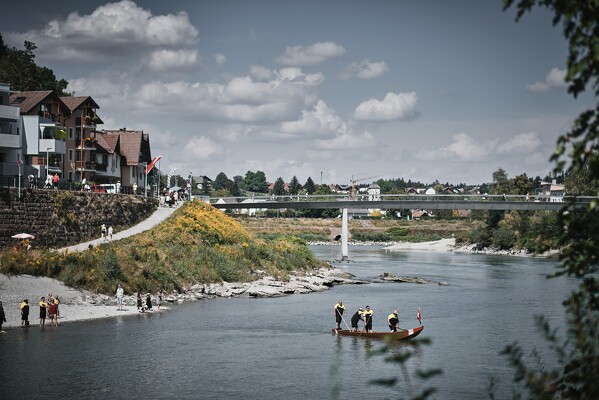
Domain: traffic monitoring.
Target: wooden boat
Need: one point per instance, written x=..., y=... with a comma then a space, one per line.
x=399, y=335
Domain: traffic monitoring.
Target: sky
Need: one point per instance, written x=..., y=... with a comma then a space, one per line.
x=331, y=89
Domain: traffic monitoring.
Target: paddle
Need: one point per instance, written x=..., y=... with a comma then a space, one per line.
x=343, y=319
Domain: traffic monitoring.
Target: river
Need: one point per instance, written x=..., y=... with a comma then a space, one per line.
x=283, y=348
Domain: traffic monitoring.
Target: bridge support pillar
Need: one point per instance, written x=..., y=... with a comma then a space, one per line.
x=344, y=236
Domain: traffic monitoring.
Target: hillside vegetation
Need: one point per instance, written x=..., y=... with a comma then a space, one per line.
x=198, y=244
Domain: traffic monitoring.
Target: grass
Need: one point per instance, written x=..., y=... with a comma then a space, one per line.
x=198, y=244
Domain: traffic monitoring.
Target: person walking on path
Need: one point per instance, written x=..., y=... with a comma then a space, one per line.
x=103, y=230
x=24, y=313
x=2, y=316
x=119, y=297
x=110, y=232
x=338, y=313
x=43, y=309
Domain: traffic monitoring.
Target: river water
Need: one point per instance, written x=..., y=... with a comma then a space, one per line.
x=283, y=348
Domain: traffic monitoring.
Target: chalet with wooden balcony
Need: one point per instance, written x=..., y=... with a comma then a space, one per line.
x=108, y=158
x=43, y=145
x=81, y=139
x=11, y=141
x=135, y=155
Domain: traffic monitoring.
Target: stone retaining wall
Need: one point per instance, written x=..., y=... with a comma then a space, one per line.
x=63, y=218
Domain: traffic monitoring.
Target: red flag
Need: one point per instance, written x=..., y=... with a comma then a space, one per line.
x=419, y=316
x=151, y=164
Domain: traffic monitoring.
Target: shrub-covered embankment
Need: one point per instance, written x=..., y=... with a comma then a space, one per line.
x=198, y=244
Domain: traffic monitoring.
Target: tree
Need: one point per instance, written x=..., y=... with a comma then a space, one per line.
x=294, y=185
x=255, y=182
x=220, y=182
x=522, y=184
x=575, y=150
x=501, y=182
x=279, y=187
x=309, y=186
x=18, y=68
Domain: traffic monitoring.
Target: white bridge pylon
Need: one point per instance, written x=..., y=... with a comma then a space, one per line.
x=344, y=236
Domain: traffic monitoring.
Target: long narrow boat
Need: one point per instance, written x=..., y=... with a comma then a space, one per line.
x=399, y=335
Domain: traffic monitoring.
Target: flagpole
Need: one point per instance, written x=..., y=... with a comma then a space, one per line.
x=158, y=186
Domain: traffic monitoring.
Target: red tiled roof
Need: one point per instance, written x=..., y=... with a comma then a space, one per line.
x=28, y=99
x=107, y=142
x=130, y=143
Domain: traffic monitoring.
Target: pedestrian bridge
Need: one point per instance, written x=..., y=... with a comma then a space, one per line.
x=399, y=202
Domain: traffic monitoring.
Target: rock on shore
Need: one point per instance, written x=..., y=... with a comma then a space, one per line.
x=78, y=305
x=389, y=277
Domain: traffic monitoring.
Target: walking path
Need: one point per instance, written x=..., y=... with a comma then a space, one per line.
x=157, y=217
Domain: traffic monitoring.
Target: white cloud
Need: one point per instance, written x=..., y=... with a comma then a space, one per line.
x=365, y=70
x=310, y=55
x=260, y=73
x=202, y=147
x=462, y=148
x=320, y=120
x=555, y=79
x=393, y=106
x=220, y=59
x=113, y=29
x=241, y=99
x=521, y=143
x=347, y=141
x=162, y=60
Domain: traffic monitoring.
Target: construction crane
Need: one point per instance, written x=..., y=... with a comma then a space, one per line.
x=353, y=184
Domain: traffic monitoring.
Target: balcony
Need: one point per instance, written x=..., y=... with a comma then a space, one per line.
x=52, y=146
x=101, y=167
x=85, y=166
x=10, y=141
x=9, y=112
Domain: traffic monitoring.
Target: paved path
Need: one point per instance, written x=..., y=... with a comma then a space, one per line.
x=157, y=217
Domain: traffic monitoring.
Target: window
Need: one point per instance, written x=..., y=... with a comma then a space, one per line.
x=2, y=157
x=70, y=154
x=71, y=133
x=70, y=175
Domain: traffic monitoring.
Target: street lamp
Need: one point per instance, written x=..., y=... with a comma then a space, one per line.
x=47, y=161
x=145, y=164
x=190, y=184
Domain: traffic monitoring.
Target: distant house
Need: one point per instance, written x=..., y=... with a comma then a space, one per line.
x=107, y=159
x=228, y=200
x=551, y=191
x=135, y=155
x=374, y=192
x=430, y=191
x=201, y=182
x=419, y=214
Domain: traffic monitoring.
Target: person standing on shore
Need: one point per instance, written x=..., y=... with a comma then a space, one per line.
x=368, y=313
x=57, y=302
x=43, y=309
x=148, y=302
x=159, y=298
x=2, y=316
x=140, y=305
x=119, y=297
x=338, y=313
x=24, y=313
x=53, y=313
x=393, y=321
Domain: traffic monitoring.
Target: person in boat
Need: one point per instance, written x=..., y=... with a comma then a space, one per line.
x=338, y=312
x=368, y=313
x=357, y=317
x=393, y=321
